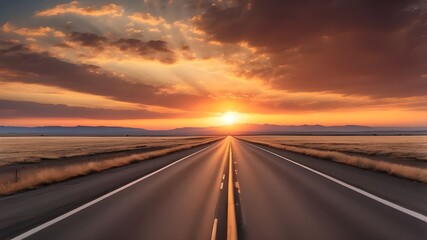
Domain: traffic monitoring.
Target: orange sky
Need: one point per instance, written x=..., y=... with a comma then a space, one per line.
x=167, y=64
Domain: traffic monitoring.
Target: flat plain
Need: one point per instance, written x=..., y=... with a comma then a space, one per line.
x=404, y=156
x=30, y=162
x=36, y=148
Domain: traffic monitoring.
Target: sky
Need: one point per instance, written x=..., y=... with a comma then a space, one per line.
x=175, y=63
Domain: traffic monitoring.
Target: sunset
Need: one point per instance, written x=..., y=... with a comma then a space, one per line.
x=213, y=119
x=147, y=63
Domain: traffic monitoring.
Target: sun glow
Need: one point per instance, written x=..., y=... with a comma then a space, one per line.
x=229, y=118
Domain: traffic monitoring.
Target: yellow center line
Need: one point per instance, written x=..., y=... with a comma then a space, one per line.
x=231, y=213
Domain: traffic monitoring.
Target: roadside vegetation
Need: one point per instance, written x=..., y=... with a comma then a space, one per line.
x=401, y=170
x=47, y=175
x=33, y=149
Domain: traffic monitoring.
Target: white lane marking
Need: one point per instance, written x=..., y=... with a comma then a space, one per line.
x=222, y=185
x=214, y=227
x=358, y=190
x=223, y=176
x=84, y=206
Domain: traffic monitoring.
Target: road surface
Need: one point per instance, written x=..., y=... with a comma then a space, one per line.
x=282, y=200
x=181, y=196
x=179, y=202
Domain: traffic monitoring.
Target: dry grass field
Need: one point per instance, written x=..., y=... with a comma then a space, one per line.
x=38, y=176
x=36, y=148
x=394, y=155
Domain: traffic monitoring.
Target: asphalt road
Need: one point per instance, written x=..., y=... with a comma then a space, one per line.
x=179, y=196
x=179, y=202
x=281, y=200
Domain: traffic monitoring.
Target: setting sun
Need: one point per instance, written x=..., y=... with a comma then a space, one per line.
x=229, y=118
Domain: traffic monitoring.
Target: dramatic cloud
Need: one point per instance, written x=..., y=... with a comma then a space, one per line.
x=22, y=65
x=24, y=109
x=75, y=8
x=152, y=49
x=372, y=48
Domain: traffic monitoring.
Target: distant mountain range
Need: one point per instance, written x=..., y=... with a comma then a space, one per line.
x=239, y=129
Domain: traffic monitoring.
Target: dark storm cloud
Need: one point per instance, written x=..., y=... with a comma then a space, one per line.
x=152, y=49
x=374, y=48
x=23, y=109
x=144, y=49
x=41, y=68
x=88, y=39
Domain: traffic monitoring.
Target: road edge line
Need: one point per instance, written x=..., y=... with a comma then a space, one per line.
x=402, y=209
x=231, y=211
x=107, y=195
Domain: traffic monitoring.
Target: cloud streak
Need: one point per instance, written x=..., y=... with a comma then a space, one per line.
x=147, y=18
x=31, y=32
x=24, y=109
x=75, y=8
x=22, y=65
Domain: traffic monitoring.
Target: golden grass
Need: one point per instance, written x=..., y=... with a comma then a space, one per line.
x=43, y=176
x=409, y=172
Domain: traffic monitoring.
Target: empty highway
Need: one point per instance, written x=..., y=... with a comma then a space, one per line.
x=183, y=195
